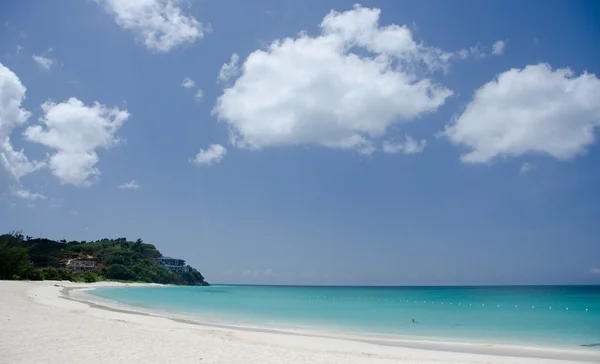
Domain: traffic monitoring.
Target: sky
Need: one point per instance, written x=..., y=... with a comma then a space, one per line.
x=310, y=142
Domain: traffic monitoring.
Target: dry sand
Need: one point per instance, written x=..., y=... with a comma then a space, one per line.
x=38, y=325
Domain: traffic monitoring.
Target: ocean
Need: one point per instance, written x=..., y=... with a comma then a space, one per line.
x=547, y=316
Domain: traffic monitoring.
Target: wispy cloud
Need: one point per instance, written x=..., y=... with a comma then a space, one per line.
x=525, y=168
x=199, y=95
x=211, y=155
x=230, y=69
x=27, y=195
x=133, y=185
x=256, y=273
x=160, y=25
x=188, y=83
x=595, y=270
x=44, y=62
x=498, y=48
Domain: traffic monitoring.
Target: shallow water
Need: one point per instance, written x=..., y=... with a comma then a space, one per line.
x=549, y=316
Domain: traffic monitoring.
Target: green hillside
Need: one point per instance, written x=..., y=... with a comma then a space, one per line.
x=117, y=259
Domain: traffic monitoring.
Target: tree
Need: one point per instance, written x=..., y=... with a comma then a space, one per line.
x=118, y=271
x=14, y=259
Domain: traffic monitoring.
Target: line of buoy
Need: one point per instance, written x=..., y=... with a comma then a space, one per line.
x=425, y=302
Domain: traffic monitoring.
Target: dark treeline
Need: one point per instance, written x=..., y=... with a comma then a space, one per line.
x=26, y=258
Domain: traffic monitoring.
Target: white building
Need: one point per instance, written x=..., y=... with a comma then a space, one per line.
x=173, y=264
x=81, y=265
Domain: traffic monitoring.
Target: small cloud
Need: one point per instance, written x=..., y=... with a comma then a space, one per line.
x=199, y=95
x=595, y=271
x=410, y=146
x=230, y=69
x=55, y=203
x=161, y=25
x=213, y=154
x=188, y=83
x=27, y=195
x=525, y=167
x=74, y=212
x=498, y=48
x=130, y=185
x=43, y=62
x=255, y=273
x=31, y=205
x=249, y=273
x=13, y=205
x=19, y=49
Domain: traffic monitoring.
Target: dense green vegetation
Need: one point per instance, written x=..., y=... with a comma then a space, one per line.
x=117, y=259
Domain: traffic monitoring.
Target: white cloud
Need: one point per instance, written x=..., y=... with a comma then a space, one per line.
x=199, y=95
x=525, y=168
x=44, y=62
x=256, y=273
x=27, y=195
x=188, y=83
x=595, y=270
x=130, y=185
x=12, y=94
x=213, y=154
x=249, y=273
x=410, y=146
x=229, y=70
x=18, y=49
x=76, y=131
x=498, y=48
x=316, y=91
x=159, y=24
x=535, y=110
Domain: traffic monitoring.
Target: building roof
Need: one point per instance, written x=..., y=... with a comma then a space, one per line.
x=170, y=258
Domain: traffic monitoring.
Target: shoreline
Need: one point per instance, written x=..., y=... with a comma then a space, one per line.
x=485, y=348
x=51, y=302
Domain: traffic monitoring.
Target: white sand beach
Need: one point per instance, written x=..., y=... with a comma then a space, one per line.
x=39, y=326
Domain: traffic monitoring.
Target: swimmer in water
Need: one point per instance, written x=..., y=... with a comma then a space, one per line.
x=413, y=320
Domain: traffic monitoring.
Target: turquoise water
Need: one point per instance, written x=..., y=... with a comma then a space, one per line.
x=556, y=316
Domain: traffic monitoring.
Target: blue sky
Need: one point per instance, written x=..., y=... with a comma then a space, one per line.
x=460, y=149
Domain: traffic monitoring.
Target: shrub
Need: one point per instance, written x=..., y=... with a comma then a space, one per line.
x=90, y=277
x=120, y=272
